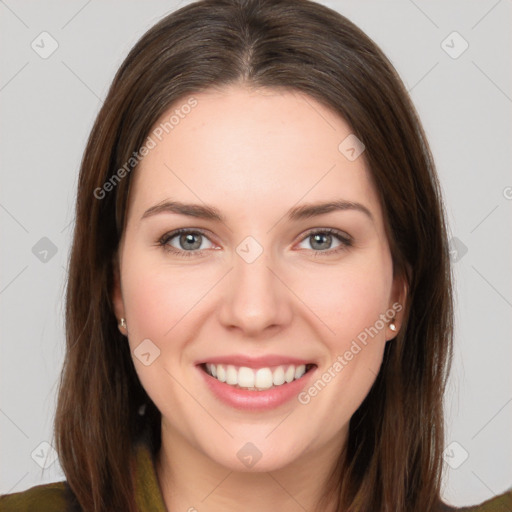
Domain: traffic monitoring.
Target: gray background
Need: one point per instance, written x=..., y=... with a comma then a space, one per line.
x=48, y=107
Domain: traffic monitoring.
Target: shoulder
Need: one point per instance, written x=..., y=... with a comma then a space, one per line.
x=53, y=497
x=500, y=503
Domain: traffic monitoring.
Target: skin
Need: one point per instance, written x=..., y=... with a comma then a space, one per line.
x=253, y=154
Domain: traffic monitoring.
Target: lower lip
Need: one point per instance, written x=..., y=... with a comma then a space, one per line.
x=256, y=400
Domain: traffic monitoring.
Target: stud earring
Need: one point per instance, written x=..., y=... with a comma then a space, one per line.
x=392, y=326
x=122, y=324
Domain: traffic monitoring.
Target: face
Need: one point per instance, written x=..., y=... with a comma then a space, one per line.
x=256, y=289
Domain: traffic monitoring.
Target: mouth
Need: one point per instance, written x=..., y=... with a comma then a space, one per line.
x=256, y=379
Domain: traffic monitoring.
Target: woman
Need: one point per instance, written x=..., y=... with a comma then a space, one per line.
x=295, y=355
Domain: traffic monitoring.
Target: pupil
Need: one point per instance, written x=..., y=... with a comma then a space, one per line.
x=321, y=238
x=189, y=239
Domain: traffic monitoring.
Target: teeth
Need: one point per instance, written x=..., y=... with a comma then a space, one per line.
x=245, y=377
x=300, y=371
x=263, y=378
x=221, y=373
x=231, y=375
x=278, y=376
x=289, y=375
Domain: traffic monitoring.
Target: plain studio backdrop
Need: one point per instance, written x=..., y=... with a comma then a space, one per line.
x=58, y=59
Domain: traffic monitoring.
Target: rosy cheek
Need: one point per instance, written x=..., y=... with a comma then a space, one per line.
x=161, y=302
x=347, y=302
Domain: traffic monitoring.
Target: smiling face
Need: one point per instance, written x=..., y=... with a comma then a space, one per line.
x=255, y=284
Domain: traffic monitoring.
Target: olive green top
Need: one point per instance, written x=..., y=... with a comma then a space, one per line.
x=58, y=497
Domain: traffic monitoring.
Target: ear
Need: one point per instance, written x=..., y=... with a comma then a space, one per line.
x=117, y=297
x=397, y=304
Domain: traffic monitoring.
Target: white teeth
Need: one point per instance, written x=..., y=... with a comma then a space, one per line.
x=289, y=374
x=263, y=378
x=221, y=372
x=278, y=377
x=300, y=371
x=260, y=379
x=231, y=375
x=245, y=377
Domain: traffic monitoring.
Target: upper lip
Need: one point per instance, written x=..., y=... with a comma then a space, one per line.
x=255, y=362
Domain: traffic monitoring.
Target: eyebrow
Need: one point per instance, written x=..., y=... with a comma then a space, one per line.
x=296, y=213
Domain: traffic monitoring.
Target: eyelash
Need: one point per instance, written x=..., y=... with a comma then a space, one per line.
x=345, y=240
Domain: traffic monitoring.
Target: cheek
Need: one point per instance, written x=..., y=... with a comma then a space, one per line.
x=353, y=353
x=159, y=307
x=350, y=298
x=158, y=297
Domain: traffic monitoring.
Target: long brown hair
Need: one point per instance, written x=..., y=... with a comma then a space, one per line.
x=394, y=451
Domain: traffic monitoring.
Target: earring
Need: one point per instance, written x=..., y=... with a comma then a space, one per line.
x=392, y=326
x=122, y=324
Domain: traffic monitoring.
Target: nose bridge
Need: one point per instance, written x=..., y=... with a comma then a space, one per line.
x=256, y=298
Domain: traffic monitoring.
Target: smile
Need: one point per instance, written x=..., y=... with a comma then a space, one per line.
x=255, y=383
x=256, y=379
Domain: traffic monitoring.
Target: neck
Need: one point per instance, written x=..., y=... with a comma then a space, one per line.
x=191, y=481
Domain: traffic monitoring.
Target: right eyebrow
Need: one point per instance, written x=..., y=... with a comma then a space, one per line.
x=191, y=210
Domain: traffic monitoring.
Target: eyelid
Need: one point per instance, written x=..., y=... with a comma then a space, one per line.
x=344, y=238
x=166, y=237
x=331, y=231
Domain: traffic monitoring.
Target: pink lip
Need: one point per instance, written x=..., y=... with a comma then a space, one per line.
x=255, y=362
x=255, y=400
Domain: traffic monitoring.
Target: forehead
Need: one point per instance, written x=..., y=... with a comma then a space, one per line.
x=249, y=148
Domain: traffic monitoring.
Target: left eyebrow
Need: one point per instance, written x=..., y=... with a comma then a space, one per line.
x=307, y=211
x=301, y=212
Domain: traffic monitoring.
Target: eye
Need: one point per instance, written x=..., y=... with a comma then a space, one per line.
x=320, y=241
x=190, y=242
x=184, y=242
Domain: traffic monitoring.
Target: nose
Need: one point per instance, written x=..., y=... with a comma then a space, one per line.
x=256, y=300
